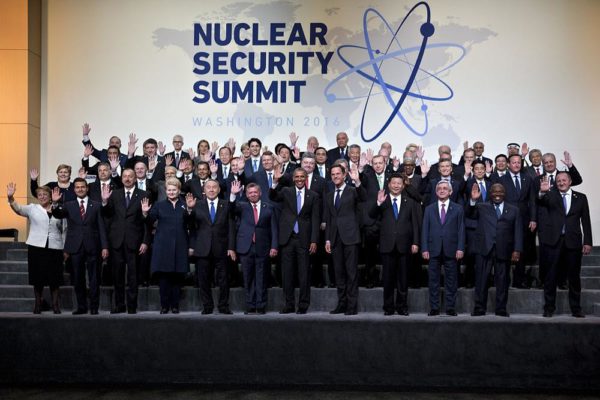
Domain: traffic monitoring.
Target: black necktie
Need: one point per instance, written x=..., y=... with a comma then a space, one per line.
x=127, y=199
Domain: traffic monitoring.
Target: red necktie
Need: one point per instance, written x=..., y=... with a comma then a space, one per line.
x=306, y=183
x=255, y=220
x=82, y=210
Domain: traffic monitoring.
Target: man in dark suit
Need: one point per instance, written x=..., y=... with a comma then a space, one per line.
x=498, y=240
x=256, y=242
x=445, y=154
x=151, y=189
x=86, y=241
x=299, y=222
x=535, y=159
x=342, y=235
x=264, y=176
x=478, y=148
x=429, y=184
x=128, y=237
x=285, y=164
x=177, y=154
x=399, y=218
x=501, y=168
x=520, y=191
x=443, y=244
x=195, y=185
x=104, y=180
x=154, y=162
x=103, y=154
x=561, y=238
x=322, y=163
x=341, y=151
x=213, y=241
x=253, y=164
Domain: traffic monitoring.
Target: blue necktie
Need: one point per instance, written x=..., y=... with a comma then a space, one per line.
x=564, y=195
x=298, y=208
x=321, y=171
x=517, y=184
x=395, y=205
x=270, y=177
x=127, y=199
x=483, y=191
x=254, y=165
x=336, y=202
x=498, y=213
x=212, y=212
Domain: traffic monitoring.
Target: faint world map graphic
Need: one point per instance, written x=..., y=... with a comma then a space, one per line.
x=449, y=42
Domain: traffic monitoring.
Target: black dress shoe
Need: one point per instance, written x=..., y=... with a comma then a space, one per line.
x=80, y=311
x=578, y=314
x=225, y=310
x=118, y=310
x=175, y=310
x=56, y=310
x=132, y=311
x=319, y=286
x=37, y=309
x=451, y=312
x=433, y=313
x=261, y=311
x=287, y=310
x=164, y=310
x=331, y=286
x=478, y=313
x=388, y=312
x=338, y=310
x=351, y=312
x=502, y=313
x=548, y=314
x=403, y=312
x=93, y=311
x=250, y=311
x=301, y=310
x=206, y=311
x=520, y=286
x=563, y=287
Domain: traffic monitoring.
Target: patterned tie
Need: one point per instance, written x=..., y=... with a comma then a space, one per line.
x=537, y=171
x=517, y=184
x=396, y=209
x=270, y=178
x=551, y=180
x=380, y=181
x=443, y=214
x=127, y=199
x=255, y=165
x=176, y=160
x=564, y=196
x=82, y=210
x=225, y=174
x=298, y=208
x=255, y=221
x=483, y=191
x=498, y=213
x=141, y=185
x=212, y=212
x=336, y=202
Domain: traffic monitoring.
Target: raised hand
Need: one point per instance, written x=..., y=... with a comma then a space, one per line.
x=11, y=188
x=278, y=159
x=396, y=162
x=236, y=187
x=544, y=184
x=370, y=156
x=132, y=145
x=363, y=159
x=87, y=151
x=192, y=153
x=212, y=165
x=277, y=174
x=146, y=206
x=488, y=167
x=214, y=147
x=354, y=174
x=296, y=153
x=468, y=168
x=231, y=145
x=105, y=193
x=113, y=160
x=567, y=160
x=381, y=196
x=424, y=167
x=85, y=128
x=241, y=164
x=475, y=193
x=169, y=160
x=34, y=174
x=293, y=139
x=265, y=148
x=311, y=147
x=82, y=173
x=161, y=148
x=190, y=200
x=524, y=149
x=56, y=194
x=420, y=153
x=465, y=144
x=152, y=162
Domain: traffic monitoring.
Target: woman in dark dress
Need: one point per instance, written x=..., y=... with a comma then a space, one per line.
x=170, y=249
x=63, y=182
x=44, y=244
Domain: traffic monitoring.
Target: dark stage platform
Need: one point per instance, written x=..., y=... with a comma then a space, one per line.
x=317, y=349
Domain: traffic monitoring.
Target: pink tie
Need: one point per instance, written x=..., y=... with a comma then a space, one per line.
x=443, y=214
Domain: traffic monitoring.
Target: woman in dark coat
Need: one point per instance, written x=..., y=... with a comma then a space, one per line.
x=170, y=252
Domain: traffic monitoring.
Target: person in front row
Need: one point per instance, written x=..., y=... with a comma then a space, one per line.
x=256, y=242
x=498, y=241
x=170, y=254
x=399, y=237
x=561, y=238
x=443, y=244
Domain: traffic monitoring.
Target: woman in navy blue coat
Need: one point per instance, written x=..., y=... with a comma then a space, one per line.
x=170, y=249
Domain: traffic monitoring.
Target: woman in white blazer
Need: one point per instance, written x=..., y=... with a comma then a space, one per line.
x=44, y=244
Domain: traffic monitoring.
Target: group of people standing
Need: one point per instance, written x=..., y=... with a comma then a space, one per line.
x=298, y=210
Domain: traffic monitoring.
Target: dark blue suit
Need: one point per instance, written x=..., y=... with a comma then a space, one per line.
x=442, y=241
x=253, y=244
x=85, y=239
x=495, y=240
x=470, y=227
x=248, y=168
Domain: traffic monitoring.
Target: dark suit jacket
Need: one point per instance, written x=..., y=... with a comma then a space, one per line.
x=159, y=171
x=261, y=179
x=183, y=155
x=102, y=155
x=213, y=238
x=402, y=233
x=266, y=231
x=506, y=232
x=483, y=158
x=525, y=200
x=95, y=188
x=151, y=189
x=458, y=187
x=550, y=227
x=126, y=225
x=345, y=221
x=309, y=218
x=334, y=154
x=248, y=169
x=89, y=233
x=470, y=222
x=449, y=237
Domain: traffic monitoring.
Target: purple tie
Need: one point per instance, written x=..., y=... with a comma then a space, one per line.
x=443, y=214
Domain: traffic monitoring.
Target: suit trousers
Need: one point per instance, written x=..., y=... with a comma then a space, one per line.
x=256, y=269
x=204, y=266
x=370, y=255
x=295, y=262
x=83, y=260
x=483, y=268
x=519, y=277
x=124, y=263
x=450, y=281
x=395, y=271
x=572, y=260
x=170, y=284
x=345, y=262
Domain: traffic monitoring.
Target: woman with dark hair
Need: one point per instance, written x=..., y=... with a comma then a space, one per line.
x=44, y=244
x=170, y=250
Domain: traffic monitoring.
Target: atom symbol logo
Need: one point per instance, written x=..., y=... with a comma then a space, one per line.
x=396, y=52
